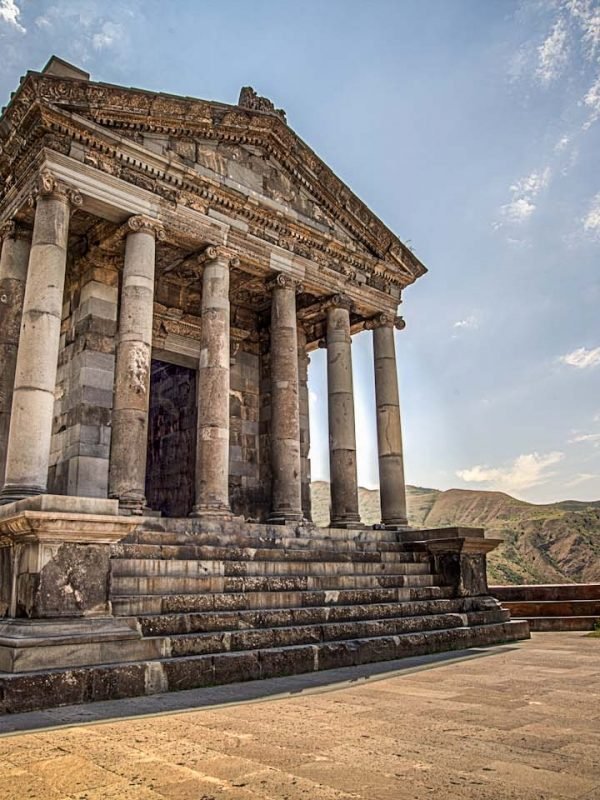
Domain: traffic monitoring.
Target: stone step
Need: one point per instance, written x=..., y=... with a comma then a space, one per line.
x=553, y=608
x=145, y=567
x=134, y=605
x=223, y=642
x=177, y=584
x=573, y=623
x=550, y=591
x=36, y=690
x=268, y=550
x=212, y=621
x=198, y=532
x=253, y=639
x=209, y=622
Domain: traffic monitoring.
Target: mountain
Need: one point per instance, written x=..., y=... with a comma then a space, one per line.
x=553, y=543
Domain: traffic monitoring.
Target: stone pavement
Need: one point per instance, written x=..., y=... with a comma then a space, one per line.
x=521, y=721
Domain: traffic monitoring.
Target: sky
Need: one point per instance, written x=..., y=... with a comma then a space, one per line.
x=472, y=129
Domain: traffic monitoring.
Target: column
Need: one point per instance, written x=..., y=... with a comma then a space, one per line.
x=212, y=443
x=303, y=402
x=342, y=434
x=129, y=441
x=392, y=488
x=32, y=412
x=13, y=273
x=286, y=504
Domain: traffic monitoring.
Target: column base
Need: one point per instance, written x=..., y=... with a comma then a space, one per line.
x=347, y=522
x=11, y=494
x=134, y=506
x=285, y=517
x=207, y=511
x=394, y=525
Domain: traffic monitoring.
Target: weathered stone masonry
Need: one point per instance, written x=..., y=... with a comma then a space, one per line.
x=167, y=266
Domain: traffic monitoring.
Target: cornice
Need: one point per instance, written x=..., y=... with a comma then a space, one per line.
x=130, y=110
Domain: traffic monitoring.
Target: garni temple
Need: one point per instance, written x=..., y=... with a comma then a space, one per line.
x=167, y=266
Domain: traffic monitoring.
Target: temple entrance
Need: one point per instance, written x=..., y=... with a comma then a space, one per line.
x=171, y=439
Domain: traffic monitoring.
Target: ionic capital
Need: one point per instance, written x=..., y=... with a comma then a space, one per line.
x=11, y=229
x=216, y=252
x=399, y=323
x=338, y=301
x=48, y=185
x=379, y=321
x=142, y=224
x=283, y=281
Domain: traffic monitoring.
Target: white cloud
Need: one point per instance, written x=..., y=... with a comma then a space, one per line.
x=562, y=143
x=582, y=358
x=553, y=54
x=110, y=33
x=471, y=322
x=532, y=184
x=530, y=469
x=10, y=13
x=518, y=210
x=524, y=191
x=592, y=101
x=591, y=221
x=593, y=438
x=581, y=477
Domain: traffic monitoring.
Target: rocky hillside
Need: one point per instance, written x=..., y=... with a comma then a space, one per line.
x=559, y=542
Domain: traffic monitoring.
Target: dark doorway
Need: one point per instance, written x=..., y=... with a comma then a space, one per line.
x=171, y=439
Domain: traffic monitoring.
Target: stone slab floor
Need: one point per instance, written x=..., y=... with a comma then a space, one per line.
x=521, y=721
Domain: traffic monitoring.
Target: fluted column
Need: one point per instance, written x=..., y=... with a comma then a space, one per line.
x=32, y=411
x=342, y=432
x=286, y=504
x=212, y=444
x=129, y=441
x=13, y=273
x=392, y=487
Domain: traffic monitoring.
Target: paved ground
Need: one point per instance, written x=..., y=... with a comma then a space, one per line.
x=515, y=722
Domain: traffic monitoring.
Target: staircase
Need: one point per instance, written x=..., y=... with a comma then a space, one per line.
x=553, y=607
x=197, y=604
x=274, y=601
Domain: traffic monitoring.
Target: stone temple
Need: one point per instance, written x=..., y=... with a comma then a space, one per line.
x=167, y=266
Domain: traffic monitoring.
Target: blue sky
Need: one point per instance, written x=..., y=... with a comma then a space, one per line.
x=473, y=130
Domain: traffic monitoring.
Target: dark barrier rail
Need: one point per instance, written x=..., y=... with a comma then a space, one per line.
x=553, y=607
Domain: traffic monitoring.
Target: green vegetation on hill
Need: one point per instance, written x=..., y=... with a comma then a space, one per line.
x=554, y=543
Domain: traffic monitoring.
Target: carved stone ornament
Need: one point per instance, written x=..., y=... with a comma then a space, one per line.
x=250, y=99
x=399, y=323
x=283, y=281
x=215, y=252
x=48, y=185
x=141, y=223
x=339, y=301
x=379, y=321
x=11, y=229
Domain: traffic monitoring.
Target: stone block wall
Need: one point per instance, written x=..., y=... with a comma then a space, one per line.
x=80, y=445
x=246, y=492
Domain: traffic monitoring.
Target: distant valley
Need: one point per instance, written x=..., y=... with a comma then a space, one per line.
x=558, y=542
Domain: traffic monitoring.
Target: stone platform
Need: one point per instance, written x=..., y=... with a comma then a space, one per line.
x=553, y=607
x=161, y=605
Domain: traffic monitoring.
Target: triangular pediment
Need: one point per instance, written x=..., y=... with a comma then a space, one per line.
x=244, y=151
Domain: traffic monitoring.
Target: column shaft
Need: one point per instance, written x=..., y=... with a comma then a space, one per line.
x=342, y=433
x=129, y=442
x=285, y=415
x=212, y=447
x=36, y=364
x=13, y=274
x=389, y=432
x=303, y=402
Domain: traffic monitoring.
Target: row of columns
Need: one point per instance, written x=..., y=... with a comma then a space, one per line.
x=35, y=277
